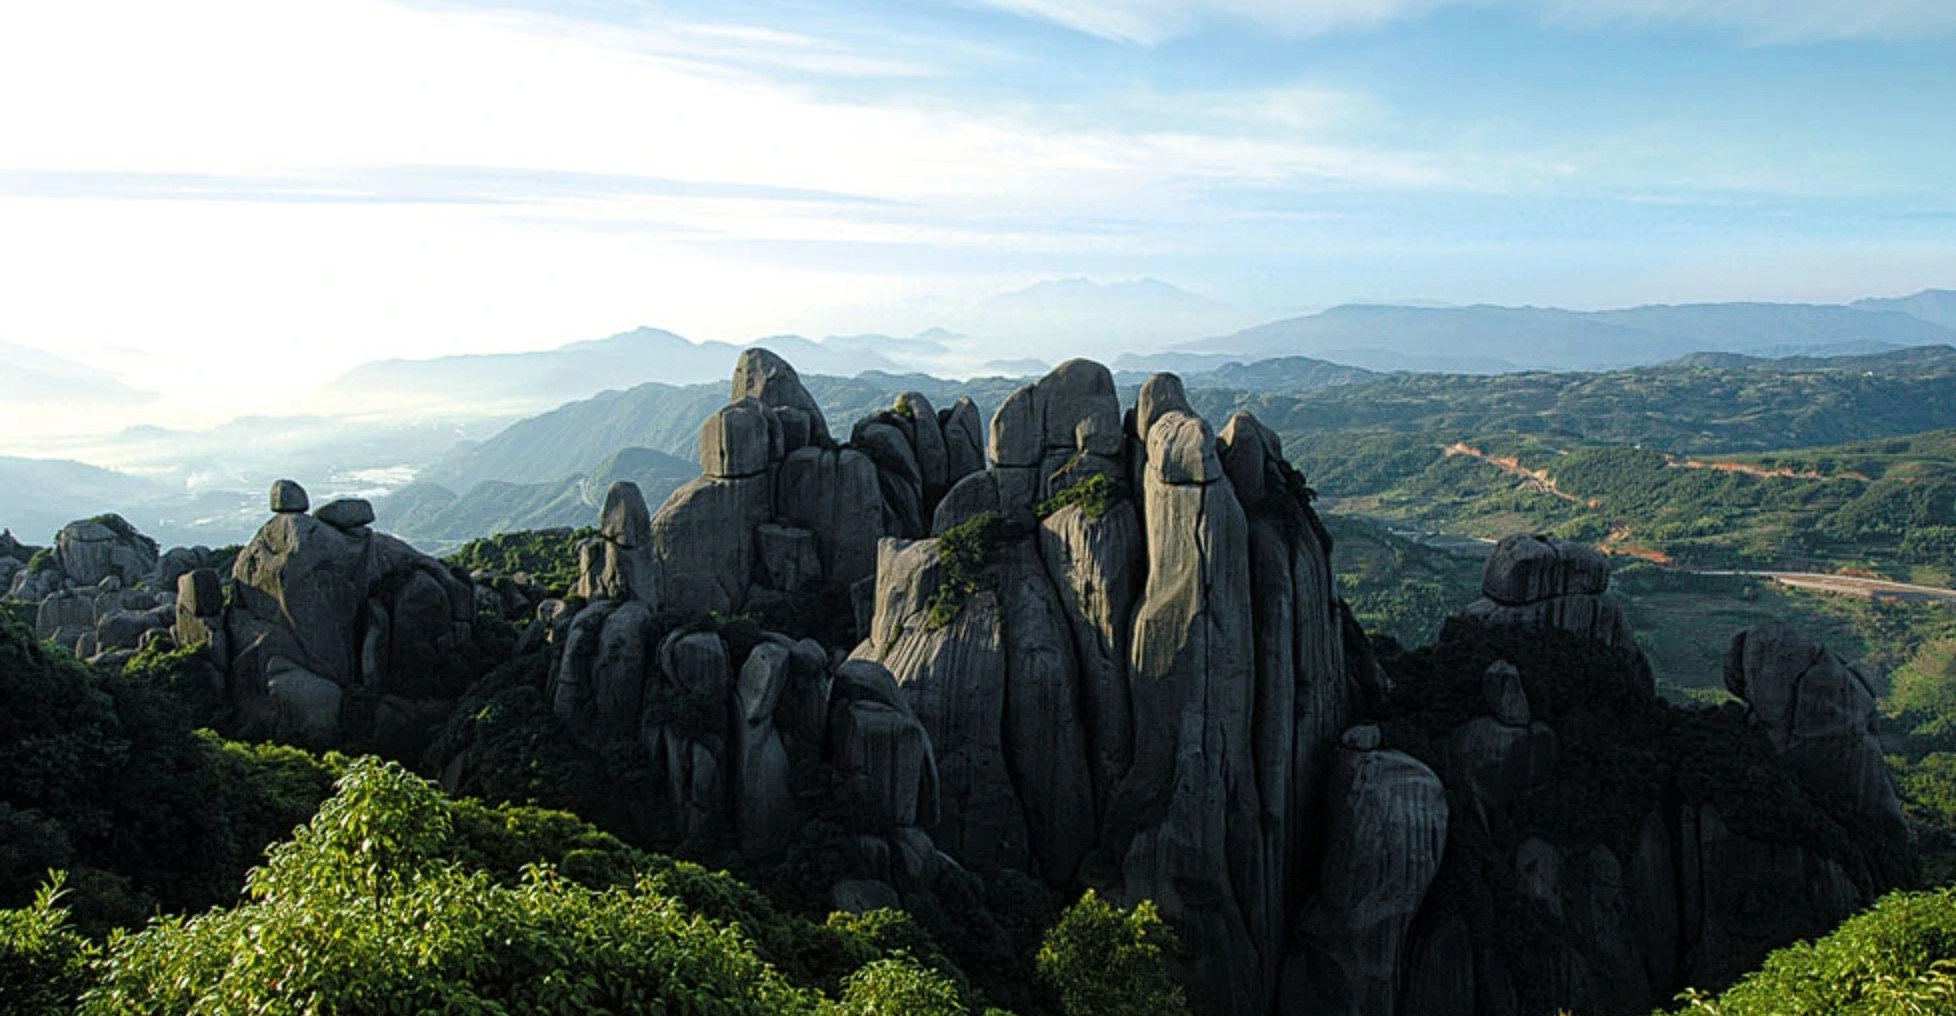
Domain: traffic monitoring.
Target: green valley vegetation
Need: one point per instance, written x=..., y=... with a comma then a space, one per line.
x=1890, y=513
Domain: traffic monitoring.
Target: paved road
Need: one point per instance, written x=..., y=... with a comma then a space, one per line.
x=1845, y=585
x=1849, y=585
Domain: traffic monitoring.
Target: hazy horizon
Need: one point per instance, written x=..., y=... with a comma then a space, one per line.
x=233, y=202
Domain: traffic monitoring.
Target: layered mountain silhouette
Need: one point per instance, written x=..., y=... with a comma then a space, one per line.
x=1489, y=339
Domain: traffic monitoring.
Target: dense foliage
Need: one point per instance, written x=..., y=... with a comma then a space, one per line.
x=548, y=556
x=1107, y=961
x=102, y=775
x=397, y=899
x=44, y=961
x=1896, y=959
x=382, y=905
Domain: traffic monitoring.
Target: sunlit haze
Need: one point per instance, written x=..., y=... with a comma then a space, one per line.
x=233, y=202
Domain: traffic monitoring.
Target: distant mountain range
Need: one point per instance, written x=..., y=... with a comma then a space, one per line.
x=1134, y=325
x=1936, y=306
x=549, y=419
x=550, y=469
x=518, y=383
x=1489, y=339
x=438, y=520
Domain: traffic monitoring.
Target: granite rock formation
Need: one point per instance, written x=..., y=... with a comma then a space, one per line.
x=1124, y=641
x=781, y=509
x=85, y=552
x=732, y=723
x=1542, y=582
x=323, y=611
x=1603, y=849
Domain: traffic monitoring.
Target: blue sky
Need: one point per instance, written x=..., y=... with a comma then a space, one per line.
x=183, y=186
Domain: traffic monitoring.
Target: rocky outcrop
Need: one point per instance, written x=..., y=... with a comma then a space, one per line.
x=733, y=731
x=1542, y=582
x=619, y=563
x=1603, y=849
x=320, y=604
x=1104, y=648
x=1123, y=639
x=1820, y=714
x=781, y=510
x=94, y=549
x=14, y=556
x=85, y=553
x=747, y=739
x=350, y=513
x=94, y=591
x=1386, y=834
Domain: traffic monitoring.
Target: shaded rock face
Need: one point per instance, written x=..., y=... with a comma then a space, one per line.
x=288, y=496
x=1604, y=849
x=92, y=550
x=619, y=562
x=1353, y=934
x=732, y=732
x=1132, y=667
x=1819, y=712
x=346, y=513
x=96, y=591
x=85, y=553
x=357, y=610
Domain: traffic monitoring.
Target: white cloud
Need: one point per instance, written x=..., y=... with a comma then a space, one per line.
x=1151, y=22
x=213, y=179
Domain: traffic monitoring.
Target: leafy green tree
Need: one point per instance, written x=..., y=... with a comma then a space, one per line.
x=1110, y=961
x=898, y=987
x=1895, y=959
x=43, y=959
x=361, y=912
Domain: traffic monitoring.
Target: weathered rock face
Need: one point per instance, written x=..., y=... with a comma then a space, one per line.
x=95, y=590
x=13, y=558
x=1352, y=942
x=767, y=378
x=200, y=611
x=1545, y=583
x=288, y=496
x=732, y=742
x=780, y=510
x=346, y=513
x=1635, y=847
x=94, y=549
x=619, y=562
x=358, y=610
x=1529, y=569
x=1820, y=714
x=1131, y=663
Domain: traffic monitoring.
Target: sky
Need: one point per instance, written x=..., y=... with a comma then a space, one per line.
x=231, y=198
